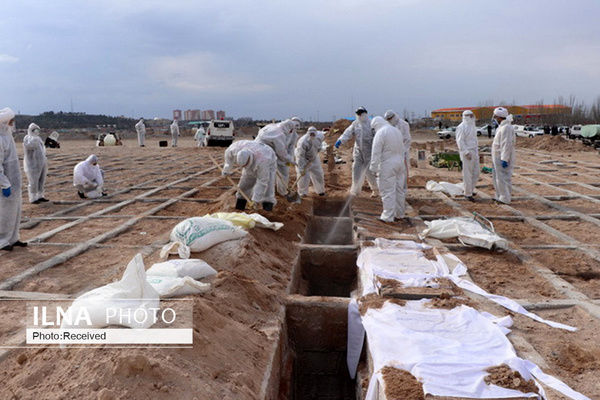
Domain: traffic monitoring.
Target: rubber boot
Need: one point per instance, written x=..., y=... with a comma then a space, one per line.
x=240, y=204
x=267, y=206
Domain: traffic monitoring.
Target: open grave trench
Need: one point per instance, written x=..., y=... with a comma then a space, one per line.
x=309, y=358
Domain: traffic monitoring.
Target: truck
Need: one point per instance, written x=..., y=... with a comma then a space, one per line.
x=219, y=133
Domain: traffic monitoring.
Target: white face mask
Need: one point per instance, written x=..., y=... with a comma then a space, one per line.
x=363, y=117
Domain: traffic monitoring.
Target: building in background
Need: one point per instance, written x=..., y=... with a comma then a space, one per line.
x=207, y=115
x=177, y=115
x=192, y=115
x=526, y=114
x=220, y=114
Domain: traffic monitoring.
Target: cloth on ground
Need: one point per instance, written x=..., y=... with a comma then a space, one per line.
x=247, y=221
x=453, y=189
x=466, y=229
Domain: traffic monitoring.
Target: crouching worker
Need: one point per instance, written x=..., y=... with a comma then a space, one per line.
x=259, y=164
x=88, y=178
x=309, y=166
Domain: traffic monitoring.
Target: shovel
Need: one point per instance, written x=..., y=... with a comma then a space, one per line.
x=235, y=186
x=291, y=195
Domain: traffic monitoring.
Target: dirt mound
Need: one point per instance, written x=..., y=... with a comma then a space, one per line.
x=576, y=359
x=336, y=130
x=504, y=376
x=447, y=301
x=401, y=384
x=552, y=143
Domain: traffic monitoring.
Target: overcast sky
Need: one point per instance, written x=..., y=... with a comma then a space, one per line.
x=274, y=59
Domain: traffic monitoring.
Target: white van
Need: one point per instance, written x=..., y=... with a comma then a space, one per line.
x=219, y=133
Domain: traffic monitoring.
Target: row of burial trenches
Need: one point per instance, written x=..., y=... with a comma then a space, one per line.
x=312, y=362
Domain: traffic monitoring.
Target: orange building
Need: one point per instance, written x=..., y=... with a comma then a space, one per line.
x=484, y=113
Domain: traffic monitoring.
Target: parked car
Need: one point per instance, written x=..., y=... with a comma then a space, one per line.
x=482, y=131
x=219, y=133
x=527, y=131
x=447, y=133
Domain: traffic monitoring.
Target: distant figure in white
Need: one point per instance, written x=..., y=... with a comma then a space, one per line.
x=140, y=128
x=360, y=130
x=174, y=133
x=466, y=141
x=308, y=167
x=199, y=137
x=88, y=178
x=387, y=161
x=395, y=120
x=35, y=164
x=503, y=155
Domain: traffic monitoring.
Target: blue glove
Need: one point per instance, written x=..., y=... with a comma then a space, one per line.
x=338, y=144
x=6, y=192
x=504, y=164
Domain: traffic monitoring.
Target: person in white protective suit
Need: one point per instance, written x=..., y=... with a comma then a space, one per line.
x=395, y=120
x=276, y=136
x=308, y=163
x=503, y=155
x=10, y=184
x=199, y=137
x=259, y=164
x=362, y=133
x=387, y=161
x=140, y=128
x=466, y=141
x=174, y=133
x=88, y=178
x=35, y=164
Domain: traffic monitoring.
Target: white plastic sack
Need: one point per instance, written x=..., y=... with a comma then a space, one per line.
x=198, y=234
x=168, y=286
x=453, y=189
x=467, y=230
x=129, y=294
x=192, y=267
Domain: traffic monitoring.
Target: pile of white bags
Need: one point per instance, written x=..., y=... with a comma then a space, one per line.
x=198, y=234
x=129, y=295
x=178, y=277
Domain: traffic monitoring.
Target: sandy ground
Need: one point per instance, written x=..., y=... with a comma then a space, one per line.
x=234, y=321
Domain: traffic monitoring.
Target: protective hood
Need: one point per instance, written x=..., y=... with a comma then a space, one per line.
x=287, y=126
x=391, y=117
x=33, y=130
x=243, y=158
x=91, y=159
x=297, y=122
x=378, y=122
x=6, y=114
x=501, y=112
x=468, y=117
x=311, y=129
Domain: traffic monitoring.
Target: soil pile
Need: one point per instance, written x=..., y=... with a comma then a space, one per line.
x=504, y=376
x=375, y=301
x=448, y=302
x=552, y=143
x=401, y=385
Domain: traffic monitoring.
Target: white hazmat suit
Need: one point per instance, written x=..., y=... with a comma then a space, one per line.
x=140, y=128
x=10, y=181
x=258, y=176
x=88, y=178
x=199, y=137
x=395, y=120
x=276, y=136
x=503, y=156
x=308, y=163
x=387, y=160
x=174, y=133
x=35, y=163
x=466, y=141
x=361, y=131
